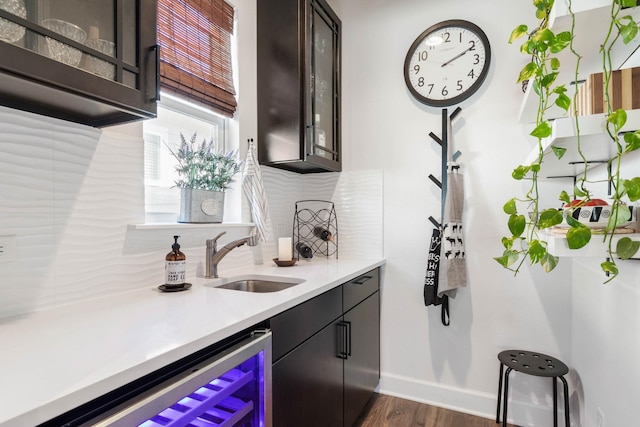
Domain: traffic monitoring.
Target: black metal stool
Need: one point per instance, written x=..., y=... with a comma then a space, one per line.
x=537, y=364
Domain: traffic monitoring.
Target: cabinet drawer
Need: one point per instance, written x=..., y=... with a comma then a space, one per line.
x=360, y=288
x=299, y=323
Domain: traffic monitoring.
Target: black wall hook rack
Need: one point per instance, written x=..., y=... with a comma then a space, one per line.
x=444, y=146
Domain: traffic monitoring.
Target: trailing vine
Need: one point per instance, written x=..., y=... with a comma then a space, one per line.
x=621, y=26
x=543, y=46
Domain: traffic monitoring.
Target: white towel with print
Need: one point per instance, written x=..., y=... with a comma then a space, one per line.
x=453, y=267
x=253, y=187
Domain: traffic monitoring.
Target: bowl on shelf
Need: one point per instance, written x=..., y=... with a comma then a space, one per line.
x=595, y=216
x=60, y=51
x=11, y=32
x=99, y=66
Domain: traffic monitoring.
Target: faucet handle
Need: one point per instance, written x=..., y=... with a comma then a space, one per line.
x=211, y=243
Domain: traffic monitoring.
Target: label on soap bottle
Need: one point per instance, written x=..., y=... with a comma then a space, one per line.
x=175, y=272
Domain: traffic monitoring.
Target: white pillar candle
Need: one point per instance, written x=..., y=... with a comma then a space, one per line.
x=284, y=249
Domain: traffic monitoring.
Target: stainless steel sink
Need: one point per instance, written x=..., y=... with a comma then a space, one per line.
x=255, y=283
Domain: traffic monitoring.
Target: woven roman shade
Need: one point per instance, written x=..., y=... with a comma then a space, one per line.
x=195, y=52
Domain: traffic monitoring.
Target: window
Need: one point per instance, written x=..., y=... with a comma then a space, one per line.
x=197, y=94
x=175, y=117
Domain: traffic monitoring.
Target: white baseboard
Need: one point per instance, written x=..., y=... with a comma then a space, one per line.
x=476, y=403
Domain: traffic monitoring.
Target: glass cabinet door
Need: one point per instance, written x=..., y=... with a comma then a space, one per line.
x=84, y=34
x=298, y=89
x=90, y=61
x=324, y=81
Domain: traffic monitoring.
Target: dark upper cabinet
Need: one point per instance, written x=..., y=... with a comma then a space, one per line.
x=88, y=61
x=299, y=51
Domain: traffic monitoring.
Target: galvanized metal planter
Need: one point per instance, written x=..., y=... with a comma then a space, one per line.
x=201, y=206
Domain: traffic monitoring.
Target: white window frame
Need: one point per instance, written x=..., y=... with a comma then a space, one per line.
x=162, y=198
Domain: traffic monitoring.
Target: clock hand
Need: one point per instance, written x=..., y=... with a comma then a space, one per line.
x=456, y=57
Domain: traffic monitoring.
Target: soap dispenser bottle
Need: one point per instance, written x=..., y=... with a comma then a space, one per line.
x=175, y=266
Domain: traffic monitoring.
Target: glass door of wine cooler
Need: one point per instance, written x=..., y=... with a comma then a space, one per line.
x=232, y=389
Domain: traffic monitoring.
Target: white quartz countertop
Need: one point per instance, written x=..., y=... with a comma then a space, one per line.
x=54, y=360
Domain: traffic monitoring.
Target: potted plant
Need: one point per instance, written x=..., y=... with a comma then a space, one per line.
x=204, y=176
x=542, y=46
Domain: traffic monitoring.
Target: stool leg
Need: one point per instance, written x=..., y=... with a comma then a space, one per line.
x=555, y=401
x=567, y=421
x=505, y=398
x=499, y=393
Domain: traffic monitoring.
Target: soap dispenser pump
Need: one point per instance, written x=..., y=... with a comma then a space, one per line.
x=175, y=266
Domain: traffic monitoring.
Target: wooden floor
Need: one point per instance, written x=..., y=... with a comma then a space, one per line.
x=388, y=411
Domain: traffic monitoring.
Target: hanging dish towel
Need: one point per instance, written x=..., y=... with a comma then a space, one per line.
x=433, y=267
x=253, y=188
x=453, y=268
x=431, y=278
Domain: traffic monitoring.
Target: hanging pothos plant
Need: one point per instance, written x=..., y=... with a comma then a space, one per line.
x=543, y=46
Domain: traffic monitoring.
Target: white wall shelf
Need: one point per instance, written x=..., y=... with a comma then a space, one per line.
x=596, y=144
x=592, y=18
x=597, y=248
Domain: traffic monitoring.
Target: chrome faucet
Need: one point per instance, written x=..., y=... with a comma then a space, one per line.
x=214, y=256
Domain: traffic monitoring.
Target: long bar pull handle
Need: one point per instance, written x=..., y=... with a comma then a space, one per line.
x=342, y=336
x=348, y=338
x=309, y=131
x=154, y=93
x=362, y=279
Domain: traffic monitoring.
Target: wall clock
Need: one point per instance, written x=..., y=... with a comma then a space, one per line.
x=447, y=63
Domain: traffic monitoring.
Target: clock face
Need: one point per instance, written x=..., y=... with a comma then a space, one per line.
x=447, y=63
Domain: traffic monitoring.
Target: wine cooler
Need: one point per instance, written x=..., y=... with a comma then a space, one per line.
x=229, y=389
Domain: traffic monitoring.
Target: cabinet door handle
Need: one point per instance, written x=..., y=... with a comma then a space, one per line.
x=361, y=280
x=309, y=142
x=342, y=336
x=348, y=338
x=154, y=93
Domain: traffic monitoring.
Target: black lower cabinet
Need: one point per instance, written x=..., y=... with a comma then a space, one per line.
x=327, y=356
x=362, y=365
x=307, y=384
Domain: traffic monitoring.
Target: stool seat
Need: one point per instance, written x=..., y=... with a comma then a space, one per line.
x=538, y=364
x=532, y=363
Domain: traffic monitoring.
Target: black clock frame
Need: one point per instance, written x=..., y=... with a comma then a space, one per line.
x=474, y=87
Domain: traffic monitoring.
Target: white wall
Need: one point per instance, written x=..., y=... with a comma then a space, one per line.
x=604, y=334
x=567, y=313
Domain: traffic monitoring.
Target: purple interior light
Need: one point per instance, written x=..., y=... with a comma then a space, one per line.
x=223, y=400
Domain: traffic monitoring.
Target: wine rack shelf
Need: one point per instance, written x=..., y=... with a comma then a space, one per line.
x=312, y=219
